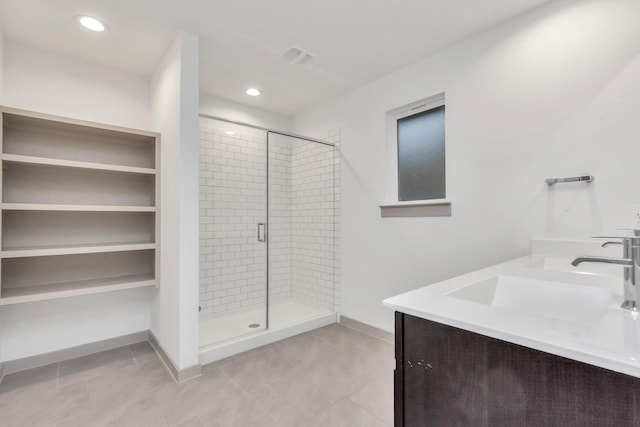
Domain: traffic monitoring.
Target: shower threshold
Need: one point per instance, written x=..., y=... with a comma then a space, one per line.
x=224, y=335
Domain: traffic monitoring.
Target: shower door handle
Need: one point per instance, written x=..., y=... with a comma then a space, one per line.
x=262, y=232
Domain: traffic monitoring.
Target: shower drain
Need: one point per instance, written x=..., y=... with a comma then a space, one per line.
x=254, y=325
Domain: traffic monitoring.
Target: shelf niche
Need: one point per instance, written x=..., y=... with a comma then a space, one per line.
x=79, y=212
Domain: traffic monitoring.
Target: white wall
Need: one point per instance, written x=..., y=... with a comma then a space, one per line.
x=51, y=83
x=223, y=108
x=44, y=81
x=1, y=66
x=41, y=327
x=175, y=114
x=551, y=93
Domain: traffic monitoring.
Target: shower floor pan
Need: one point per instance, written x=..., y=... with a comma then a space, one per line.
x=224, y=335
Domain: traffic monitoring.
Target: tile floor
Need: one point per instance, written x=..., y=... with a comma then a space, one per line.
x=333, y=376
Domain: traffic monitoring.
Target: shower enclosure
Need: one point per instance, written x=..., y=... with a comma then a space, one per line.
x=267, y=235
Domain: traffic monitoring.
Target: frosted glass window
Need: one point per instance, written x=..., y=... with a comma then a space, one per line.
x=421, y=162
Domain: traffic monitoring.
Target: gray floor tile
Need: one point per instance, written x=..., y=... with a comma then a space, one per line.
x=251, y=352
x=128, y=382
x=217, y=364
x=29, y=383
x=343, y=337
x=355, y=367
x=304, y=351
x=234, y=358
x=344, y=414
x=140, y=411
x=49, y=408
x=180, y=402
x=192, y=422
x=143, y=352
x=335, y=370
x=377, y=398
x=93, y=365
x=257, y=369
x=262, y=407
x=315, y=389
x=381, y=349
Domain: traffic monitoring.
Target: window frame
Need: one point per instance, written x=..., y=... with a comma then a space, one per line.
x=417, y=107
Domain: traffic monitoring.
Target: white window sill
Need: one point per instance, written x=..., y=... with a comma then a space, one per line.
x=421, y=208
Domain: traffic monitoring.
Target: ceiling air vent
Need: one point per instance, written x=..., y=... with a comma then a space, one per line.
x=296, y=56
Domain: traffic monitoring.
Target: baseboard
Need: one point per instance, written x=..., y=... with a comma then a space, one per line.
x=179, y=375
x=367, y=329
x=18, y=365
x=12, y=366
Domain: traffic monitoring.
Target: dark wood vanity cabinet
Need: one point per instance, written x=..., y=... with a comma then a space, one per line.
x=447, y=376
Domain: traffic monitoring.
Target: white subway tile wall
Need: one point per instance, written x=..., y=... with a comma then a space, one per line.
x=279, y=218
x=303, y=227
x=232, y=203
x=312, y=223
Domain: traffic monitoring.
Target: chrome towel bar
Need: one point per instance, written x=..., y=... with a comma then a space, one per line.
x=585, y=178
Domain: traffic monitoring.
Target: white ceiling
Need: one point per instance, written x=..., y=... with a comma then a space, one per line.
x=354, y=41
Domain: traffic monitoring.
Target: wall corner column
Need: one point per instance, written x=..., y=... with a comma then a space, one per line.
x=174, y=93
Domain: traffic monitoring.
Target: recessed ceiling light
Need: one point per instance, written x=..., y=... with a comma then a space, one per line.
x=229, y=132
x=253, y=92
x=92, y=24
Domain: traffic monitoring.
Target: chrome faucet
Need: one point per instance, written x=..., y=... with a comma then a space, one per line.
x=605, y=244
x=631, y=262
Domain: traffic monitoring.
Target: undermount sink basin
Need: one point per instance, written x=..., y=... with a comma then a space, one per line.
x=554, y=300
x=590, y=268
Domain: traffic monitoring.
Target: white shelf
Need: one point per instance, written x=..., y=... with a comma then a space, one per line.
x=45, y=161
x=64, y=290
x=75, y=250
x=38, y=135
x=50, y=229
x=74, y=208
x=46, y=184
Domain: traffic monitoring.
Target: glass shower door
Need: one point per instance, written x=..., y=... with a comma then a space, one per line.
x=301, y=211
x=233, y=223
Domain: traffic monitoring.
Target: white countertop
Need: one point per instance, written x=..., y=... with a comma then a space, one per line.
x=611, y=340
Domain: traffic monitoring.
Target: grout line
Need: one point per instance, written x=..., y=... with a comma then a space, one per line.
x=84, y=411
x=132, y=356
x=232, y=381
x=367, y=411
x=164, y=419
x=326, y=409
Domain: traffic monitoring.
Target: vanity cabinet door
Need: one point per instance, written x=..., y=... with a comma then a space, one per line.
x=447, y=376
x=520, y=384
x=531, y=388
x=441, y=376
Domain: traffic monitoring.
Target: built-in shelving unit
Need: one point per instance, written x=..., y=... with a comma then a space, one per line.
x=79, y=207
